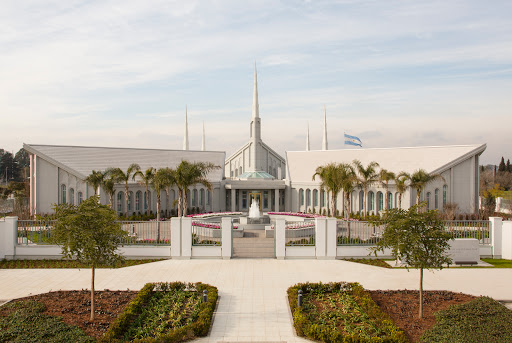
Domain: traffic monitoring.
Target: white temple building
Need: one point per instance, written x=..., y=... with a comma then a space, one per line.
x=255, y=171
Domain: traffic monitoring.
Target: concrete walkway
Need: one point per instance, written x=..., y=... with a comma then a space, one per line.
x=253, y=304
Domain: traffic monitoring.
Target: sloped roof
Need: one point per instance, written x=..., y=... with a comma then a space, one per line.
x=81, y=160
x=434, y=159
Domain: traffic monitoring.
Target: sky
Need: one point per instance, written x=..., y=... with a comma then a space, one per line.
x=120, y=73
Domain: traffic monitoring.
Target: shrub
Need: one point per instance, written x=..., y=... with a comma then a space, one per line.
x=480, y=321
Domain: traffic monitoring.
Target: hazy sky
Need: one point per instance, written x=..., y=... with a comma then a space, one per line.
x=120, y=73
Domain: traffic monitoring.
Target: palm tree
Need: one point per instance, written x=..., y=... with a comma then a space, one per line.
x=366, y=177
x=109, y=187
x=188, y=174
x=163, y=178
x=95, y=178
x=331, y=180
x=349, y=182
x=146, y=178
x=401, y=186
x=419, y=180
x=385, y=176
x=122, y=177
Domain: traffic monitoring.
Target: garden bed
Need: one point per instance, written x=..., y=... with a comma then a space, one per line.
x=52, y=264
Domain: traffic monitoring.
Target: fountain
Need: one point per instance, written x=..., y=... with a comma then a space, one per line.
x=254, y=210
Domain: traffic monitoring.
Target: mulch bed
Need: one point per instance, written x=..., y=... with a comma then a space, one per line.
x=401, y=306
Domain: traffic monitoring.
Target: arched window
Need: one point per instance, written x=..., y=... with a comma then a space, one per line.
x=80, y=198
x=371, y=200
x=137, y=200
x=207, y=197
x=390, y=201
x=71, y=196
x=436, y=198
x=322, y=198
x=201, y=197
x=445, y=190
x=119, y=201
x=428, y=200
x=194, y=197
x=380, y=201
x=301, y=197
x=130, y=200
x=315, y=197
x=308, y=197
x=63, y=193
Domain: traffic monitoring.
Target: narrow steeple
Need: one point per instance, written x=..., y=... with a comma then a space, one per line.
x=307, y=139
x=255, y=148
x=203, y=143
x=185, y=137
x=255, y=105
x=324, y=138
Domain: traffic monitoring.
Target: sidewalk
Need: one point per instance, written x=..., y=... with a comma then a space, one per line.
x=253, y=304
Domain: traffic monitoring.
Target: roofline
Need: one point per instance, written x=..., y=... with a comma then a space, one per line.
x=36, y=152
x=394, y=148
x=233, y=155
x=477, y=151
x=273, y=151
x=122, y=148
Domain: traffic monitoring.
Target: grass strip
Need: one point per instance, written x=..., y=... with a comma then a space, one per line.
x=61, y=264
x=499, y=263
x=370, y=261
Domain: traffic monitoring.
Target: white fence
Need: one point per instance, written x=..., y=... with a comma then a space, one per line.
x=183, y=238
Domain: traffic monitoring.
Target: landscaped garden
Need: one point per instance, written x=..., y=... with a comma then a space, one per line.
x=170, y=312
x=52, y=264
x=345, y=312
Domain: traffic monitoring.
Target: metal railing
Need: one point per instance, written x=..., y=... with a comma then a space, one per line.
x=206, y=234
x=357, y=233
x=479, y=229
x=300, y=233
x=38, y=232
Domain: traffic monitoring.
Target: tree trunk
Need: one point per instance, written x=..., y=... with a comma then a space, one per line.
x=185, y=203
x=421, y=293
x=399, y=201
x=147, y=199
x=333, y=204
x=365, y=202
x=180, y=201
x=347, y=206
x=111, y=199
x=126, y=199
x=92, y=294
x=166, y=201
x=158, y=216
x=386, y=198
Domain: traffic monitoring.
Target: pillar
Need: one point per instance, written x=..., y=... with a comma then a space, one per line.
x=280, y=238
x=320, y=237
x=32, y=184
x=176, y=237
x=8, y=237
x=186, y=237
x=233, y=200
x=506, y=250
x=276, y=200
x=227, y=237
x=496, y=236
x=331, y=238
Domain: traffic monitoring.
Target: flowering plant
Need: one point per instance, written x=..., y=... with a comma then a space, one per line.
x=297, y=214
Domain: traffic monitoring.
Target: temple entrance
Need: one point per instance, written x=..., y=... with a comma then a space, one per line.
x=256, y=197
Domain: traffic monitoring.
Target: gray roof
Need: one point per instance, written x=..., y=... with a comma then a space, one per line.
x=433, y=159
x=81, y=160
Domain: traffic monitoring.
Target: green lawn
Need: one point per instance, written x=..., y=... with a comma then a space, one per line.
x=499, y=263
x=53, y=264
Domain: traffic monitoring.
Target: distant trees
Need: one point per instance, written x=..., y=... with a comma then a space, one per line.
x=366, y=176
x=14, y=167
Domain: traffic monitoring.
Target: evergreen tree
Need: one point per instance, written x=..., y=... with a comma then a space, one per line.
x=502, y=167
x=509, y=166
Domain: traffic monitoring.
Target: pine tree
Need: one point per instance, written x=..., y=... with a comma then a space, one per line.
x=502, y=167
x=509, y=166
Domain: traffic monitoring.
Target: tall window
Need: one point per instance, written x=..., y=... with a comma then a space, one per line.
x=244, y=199
x=308, y=197
x=445, y=189
x=301, y=197
x=436, y=198
x=80, y=198
x=361, y=200
x=315, y=197
x=428, y=200
x=390, y=201
x=201, y=197
x=137, y=200
x=130, y=200
x=207, y=197
x=371, y=200
x=63, y=193
x=194, y=197
x=265, y=199
x=380, y=201
x=71, y=196
x=119, y=201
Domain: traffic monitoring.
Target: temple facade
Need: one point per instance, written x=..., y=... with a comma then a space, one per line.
x=254, y=172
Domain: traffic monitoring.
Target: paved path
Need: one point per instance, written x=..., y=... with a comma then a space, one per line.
x=253, y=304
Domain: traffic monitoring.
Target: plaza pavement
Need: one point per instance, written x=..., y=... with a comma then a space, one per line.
x=253, y=304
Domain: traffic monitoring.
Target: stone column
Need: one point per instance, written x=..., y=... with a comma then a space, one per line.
x=320, y=237
x=276, y=200
x=176, y=237
x=506, y=250
x=331, y=238
x=496, y=236
x=186, y=237
x=32, y=211
x=280, y=238
x=8, y=237
x=233, y=200
x=227, y=237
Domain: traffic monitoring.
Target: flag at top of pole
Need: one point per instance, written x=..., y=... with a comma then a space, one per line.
x=352, y=140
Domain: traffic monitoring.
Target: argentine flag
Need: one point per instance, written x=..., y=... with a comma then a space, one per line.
x=352, y=140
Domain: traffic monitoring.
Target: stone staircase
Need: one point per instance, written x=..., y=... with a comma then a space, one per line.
x=254, y=244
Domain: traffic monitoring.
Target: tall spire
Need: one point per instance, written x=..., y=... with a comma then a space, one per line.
x=185, y=137
x=324, y=138
x=255, y=105
x=307, y=139
x=203, y=144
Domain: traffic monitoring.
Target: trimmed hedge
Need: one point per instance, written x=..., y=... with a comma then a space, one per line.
x=482, y=320
x=320, y=332
x=199, y=328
